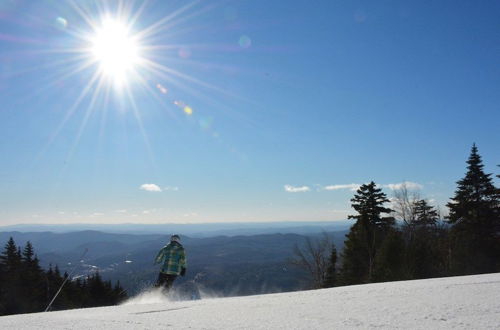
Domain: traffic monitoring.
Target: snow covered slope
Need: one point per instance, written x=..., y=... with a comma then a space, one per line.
x=468, y=302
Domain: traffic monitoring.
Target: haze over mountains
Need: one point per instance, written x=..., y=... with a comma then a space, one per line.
x=193, y=230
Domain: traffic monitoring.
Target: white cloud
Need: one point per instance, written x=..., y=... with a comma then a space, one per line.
x=355, y=186
x=351, y=186
x=150, y=187
x=409, y=185
x=393, y=203
x=121, y=211
x=293, y=189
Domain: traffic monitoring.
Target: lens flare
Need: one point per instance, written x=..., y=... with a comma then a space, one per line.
x=61, y=23
x=245, y=41
x=162, y=89
x=184, y=52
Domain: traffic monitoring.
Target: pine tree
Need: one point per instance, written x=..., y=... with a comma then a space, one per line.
x=425, y=214
x=28, y=253
x=498, y=192
x=354, y=257
x=11, y=261
x=421, y=245
x=119, y=293
x=11, y=258
x=32, y=279
x=475, y=216
x=25, y=287
x=95, y=289
x=366, y=234
x=331, y=271
x=369, y=203
x=56, y=281
x=2, y=287
x=390, y=258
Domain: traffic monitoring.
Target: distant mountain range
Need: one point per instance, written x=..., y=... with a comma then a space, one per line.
x=225, y=264
x=193, y=230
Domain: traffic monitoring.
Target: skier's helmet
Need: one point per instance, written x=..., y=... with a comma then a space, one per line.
x=175, y=238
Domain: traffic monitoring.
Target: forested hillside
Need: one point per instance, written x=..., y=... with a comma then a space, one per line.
x=25, y=287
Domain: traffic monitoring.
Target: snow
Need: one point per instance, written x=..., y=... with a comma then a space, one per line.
x=467, y=302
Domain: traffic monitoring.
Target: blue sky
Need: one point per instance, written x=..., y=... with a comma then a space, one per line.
x=244, y=110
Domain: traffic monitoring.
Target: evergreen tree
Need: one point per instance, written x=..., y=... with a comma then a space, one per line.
x=369, y=203
x=100, y=292
x=85, y=295
x=475, y=216
x=11, y=258
x=32, y=279
x=55, y=280
x=423, y=247
x=354, y=257
x=331, y=271
x=390, y=259
x=11, y=261
x=3, y=285
x=425, y=214
x=498, y=193
x=426, y=252
x=28, y=253
x=119, y=293
x=366, y=234
x=25, y=287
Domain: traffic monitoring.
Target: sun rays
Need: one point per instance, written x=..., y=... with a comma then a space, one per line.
x=125, y=59
x=144, y=70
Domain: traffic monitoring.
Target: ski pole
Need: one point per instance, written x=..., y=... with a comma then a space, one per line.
x=64, y=282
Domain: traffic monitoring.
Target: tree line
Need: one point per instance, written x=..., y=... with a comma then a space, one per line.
x=413, y=240
x=25, y=287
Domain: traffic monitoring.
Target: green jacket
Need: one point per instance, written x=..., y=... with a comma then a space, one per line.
x=173, y=258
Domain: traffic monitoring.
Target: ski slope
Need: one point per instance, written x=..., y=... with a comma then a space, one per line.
x=468, y=302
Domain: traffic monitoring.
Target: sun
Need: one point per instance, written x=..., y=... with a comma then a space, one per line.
x=115, y=50
x=116, y=57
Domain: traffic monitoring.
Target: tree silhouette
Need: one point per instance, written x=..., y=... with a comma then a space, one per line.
x=331, y=271
x=366, y=234
x=475, y=216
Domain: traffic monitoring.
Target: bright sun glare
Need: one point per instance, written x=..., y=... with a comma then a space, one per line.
x=123, y=59
x=115, y=50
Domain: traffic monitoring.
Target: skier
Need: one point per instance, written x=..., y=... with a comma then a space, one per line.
x=173, y=258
